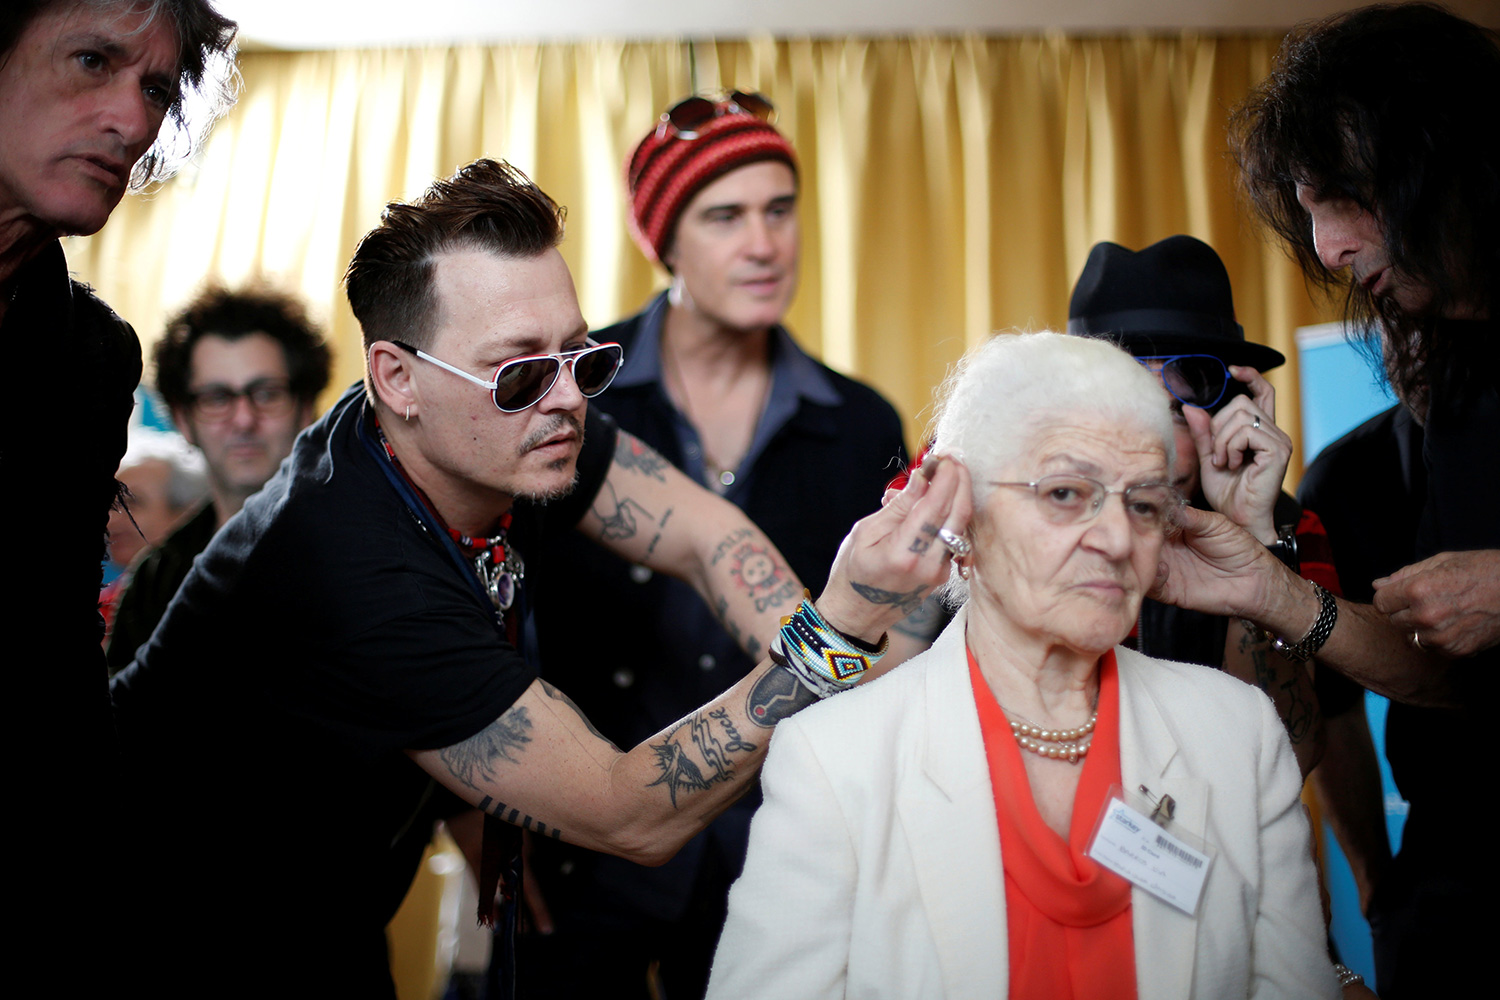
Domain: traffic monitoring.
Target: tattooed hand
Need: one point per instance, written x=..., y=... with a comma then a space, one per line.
x=892, y=559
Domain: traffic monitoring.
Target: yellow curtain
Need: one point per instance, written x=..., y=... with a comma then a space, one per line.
x=951, y=187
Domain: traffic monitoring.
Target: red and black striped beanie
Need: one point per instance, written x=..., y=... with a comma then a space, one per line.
x=666, y=171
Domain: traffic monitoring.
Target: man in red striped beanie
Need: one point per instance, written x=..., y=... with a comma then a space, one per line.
x=715, y=383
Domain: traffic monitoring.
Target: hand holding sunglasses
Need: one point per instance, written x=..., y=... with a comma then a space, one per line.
x=523, y=382
x=1200, y=380
x=1242, y=454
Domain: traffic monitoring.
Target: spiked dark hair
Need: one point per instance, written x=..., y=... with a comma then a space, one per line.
x=487, y=205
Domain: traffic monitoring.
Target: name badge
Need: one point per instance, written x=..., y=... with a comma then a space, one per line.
x=1139, y=850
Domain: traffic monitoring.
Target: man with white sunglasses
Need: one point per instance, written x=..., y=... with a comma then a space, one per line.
x=377, y=588
x=1170, y=305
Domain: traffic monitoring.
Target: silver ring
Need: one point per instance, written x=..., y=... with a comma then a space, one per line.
x=1416, y=639
x=955, y=543
x=1256, y=425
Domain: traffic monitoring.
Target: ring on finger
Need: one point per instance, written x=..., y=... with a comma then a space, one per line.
x=1256, y=425
x=1416, y=639
x=954, y=542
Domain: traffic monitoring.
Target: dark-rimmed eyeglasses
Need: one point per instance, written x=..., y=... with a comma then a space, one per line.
x=1192, y=379
x=268, y=397
x=688, y=117
x=1068, y=499
x=523, y=382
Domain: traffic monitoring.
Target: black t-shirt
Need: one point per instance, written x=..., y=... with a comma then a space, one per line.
x=325, y=631
x=1385, y=508
x=1369, y=488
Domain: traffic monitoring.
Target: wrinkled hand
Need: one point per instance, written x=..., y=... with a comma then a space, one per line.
x=892, y=559
x=1243, y=490
x=1212, y=565
x=1451, y=601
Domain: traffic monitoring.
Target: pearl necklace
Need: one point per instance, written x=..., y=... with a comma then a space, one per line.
x=1055, y=744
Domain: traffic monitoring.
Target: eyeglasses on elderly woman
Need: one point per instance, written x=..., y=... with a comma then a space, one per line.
x=1070, y=499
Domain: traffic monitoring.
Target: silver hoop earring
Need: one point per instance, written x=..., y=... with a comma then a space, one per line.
x=408, y=411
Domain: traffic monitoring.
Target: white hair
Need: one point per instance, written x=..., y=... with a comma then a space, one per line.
x=189, y=482
x=1001, y=394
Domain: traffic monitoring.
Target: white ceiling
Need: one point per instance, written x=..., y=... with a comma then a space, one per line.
x=319, y=24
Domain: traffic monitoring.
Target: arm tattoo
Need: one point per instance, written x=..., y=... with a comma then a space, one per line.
x=754, y=567
x=1298, y=713
x=727, y=545
x=907, y=602
x=775, y=696
x=663, y=526
x=473, y=760
x=716, y=738
x=619, y=524
x=634, y=454
x=501, y=811
x=924, y=623
x=557, y=695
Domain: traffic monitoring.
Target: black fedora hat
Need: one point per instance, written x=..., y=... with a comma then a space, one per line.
x=1172, y=297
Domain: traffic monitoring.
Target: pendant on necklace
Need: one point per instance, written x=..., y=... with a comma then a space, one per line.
x=499, y=579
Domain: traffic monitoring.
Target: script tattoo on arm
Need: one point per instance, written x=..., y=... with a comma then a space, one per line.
x=907, y=602
x=557, y=695
x=473, y=761
x=716, y=738
x=634, y=454
x=777, y=695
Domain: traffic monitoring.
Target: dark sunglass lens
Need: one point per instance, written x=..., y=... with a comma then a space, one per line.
x=755, y=104
x=596, y=369
x=1197, y=380
x=692, y=114
x=522, y=383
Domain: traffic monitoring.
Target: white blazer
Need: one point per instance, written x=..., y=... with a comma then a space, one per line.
x=874, y=866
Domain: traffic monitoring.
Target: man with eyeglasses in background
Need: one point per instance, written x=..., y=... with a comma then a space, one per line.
x=241, y=372
x=374, y=591
x=717, y=386
x=1170, y=305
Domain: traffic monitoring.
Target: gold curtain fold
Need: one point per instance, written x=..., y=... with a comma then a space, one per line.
x=951, y=187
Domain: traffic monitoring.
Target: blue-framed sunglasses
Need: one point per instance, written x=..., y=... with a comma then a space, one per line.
x=523, y=382
x=1193, y=379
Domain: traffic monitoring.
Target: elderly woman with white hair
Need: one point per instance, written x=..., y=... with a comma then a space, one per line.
x=935, y=834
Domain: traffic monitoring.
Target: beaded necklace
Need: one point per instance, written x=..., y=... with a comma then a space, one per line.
x=497, y=564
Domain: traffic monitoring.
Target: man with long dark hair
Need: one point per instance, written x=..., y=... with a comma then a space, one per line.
x=91, y=94
x=1373, y=150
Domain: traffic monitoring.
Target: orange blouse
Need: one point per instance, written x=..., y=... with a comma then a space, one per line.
x=1068, y=918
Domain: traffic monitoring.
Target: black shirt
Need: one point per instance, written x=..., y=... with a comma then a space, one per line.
x=324, y=631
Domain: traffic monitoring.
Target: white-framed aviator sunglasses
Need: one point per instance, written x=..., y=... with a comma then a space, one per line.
x=523, y=382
